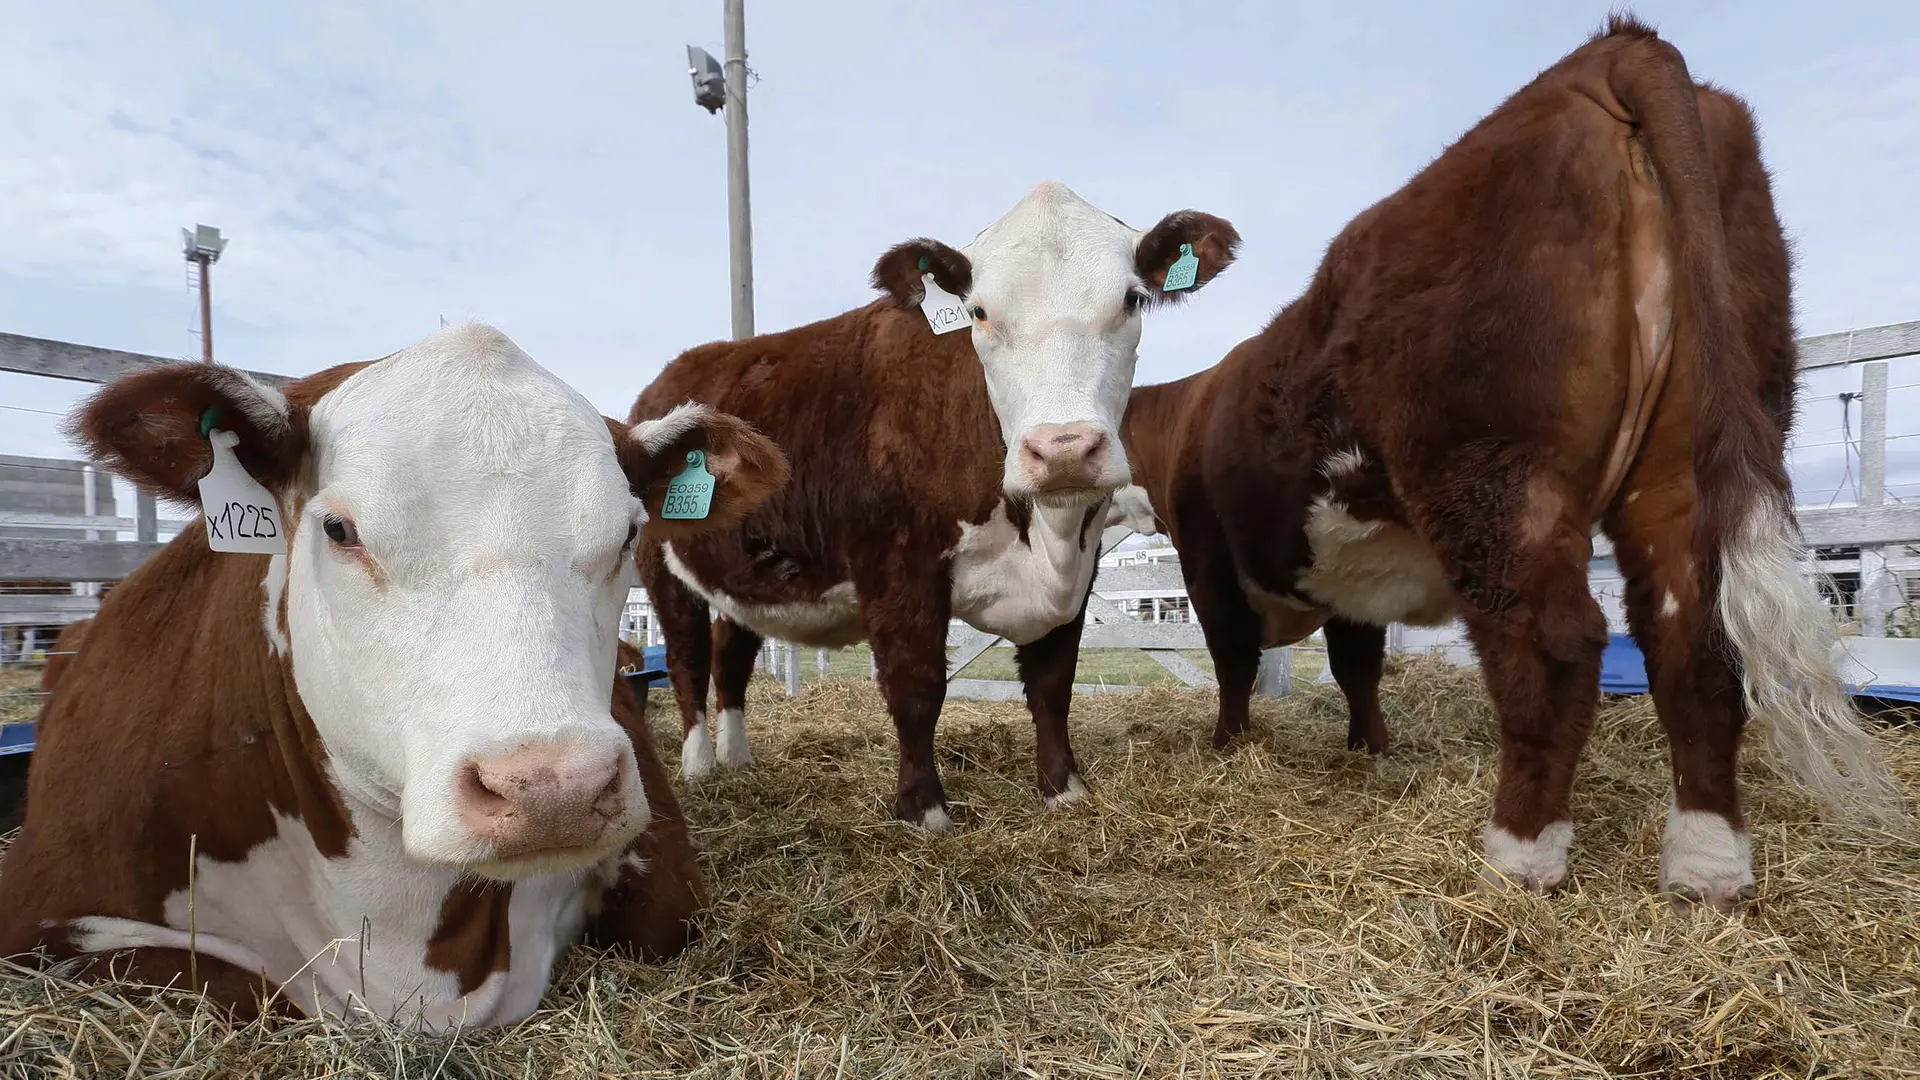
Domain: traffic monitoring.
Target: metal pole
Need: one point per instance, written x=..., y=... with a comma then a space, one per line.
x=206, y=309
x=1875, y=582
x=89, y=479
x=739, y=218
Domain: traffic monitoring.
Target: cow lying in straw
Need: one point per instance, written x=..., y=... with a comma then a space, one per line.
x=1578, y=314
x=388, y=767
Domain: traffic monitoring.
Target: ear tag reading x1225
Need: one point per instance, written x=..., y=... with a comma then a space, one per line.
x=689, y=495
x=241, y=515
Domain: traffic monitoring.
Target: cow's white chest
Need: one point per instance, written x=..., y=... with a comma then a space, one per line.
x=1373, y=571
x=1022, y=591
x=1018, y=591
x=351, y=934
x=830, y=621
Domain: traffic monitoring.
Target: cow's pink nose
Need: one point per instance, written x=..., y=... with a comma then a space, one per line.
x=542, y=798
x=1061, y=457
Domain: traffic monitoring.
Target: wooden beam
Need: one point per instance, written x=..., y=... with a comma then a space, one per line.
x=1007, y=690
x=85, y=363
x=71, y=560
x=1856, y=346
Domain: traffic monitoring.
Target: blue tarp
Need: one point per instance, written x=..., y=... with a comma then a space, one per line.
x=1623, y=670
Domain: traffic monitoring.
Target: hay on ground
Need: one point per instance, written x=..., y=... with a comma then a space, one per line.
x=1286, y=909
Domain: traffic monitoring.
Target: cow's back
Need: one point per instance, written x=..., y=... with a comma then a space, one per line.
x=883, y=423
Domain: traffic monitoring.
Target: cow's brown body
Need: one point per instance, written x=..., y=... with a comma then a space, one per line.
x=1458, y=388
x=893, y=444
x=177, y=729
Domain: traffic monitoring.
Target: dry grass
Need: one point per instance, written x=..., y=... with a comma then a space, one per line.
x=1287, y=909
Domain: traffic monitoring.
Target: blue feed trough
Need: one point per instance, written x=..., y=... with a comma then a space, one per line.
x=16, y=738
x=653, y=670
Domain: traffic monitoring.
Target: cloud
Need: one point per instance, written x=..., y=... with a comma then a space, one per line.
x=545, y=168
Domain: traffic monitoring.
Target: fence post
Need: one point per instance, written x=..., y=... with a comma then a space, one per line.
x=1276, y=672
x=1876, y=584
x=146, y=516
x=793, y=668
x=826, y=664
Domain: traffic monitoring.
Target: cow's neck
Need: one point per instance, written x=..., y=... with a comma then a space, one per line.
x=1026, y=569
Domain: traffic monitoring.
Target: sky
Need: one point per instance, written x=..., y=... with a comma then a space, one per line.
x=544, y=168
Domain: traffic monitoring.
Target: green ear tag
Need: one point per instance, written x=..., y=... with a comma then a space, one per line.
x=689, y=495
x=209, y=419
x=1184, y=270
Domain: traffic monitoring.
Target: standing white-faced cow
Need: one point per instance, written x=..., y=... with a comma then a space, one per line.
x=388, y=767
x=921, y=490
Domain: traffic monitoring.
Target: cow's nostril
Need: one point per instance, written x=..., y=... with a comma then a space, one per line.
x=475, y=790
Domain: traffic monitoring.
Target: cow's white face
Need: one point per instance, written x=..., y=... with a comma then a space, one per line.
x=453, y=596
x=1056, y=289
x=460, y=554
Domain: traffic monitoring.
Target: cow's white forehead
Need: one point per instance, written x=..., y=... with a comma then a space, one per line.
x=465, y=418
x=1054, y=247
x=469, y=388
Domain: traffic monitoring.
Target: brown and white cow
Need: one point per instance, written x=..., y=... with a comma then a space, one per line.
x=922, y=490
x=1578, y=314
x=389, y=769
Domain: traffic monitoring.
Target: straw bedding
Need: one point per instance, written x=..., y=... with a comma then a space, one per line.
x=1285, y=909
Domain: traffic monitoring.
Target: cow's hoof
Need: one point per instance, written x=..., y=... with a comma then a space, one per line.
x=936, y=822
x=696, y=753
x=730, y=744
x=1075, y=790
x=1724, y=897
x=1705, y=861
x=1538, y=865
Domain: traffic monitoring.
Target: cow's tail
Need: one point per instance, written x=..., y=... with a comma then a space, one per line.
x=1777, y=629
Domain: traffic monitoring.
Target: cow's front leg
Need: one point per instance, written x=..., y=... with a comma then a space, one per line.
x=734, y=649
x=1047, y=668
x=905, y=602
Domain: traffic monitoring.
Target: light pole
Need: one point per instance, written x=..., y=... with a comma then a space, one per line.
x=714, y=88
x=203, y=245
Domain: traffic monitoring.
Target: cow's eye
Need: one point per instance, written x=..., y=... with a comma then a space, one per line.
x=979, y=313
x=1135, y=299
x=340, y=531
x=632, y=531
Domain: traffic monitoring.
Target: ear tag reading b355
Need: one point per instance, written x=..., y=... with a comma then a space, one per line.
x=689, y=495
x=1184, y=271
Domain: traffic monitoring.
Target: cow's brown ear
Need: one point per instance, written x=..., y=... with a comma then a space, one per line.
x=150, y=428
x=900, y=270
x=1211, y=241
x=746, y=466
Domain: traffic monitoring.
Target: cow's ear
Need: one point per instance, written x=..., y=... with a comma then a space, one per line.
x=151, y=427
x=1211, y=241
x=746, y=466
x=901, y=270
